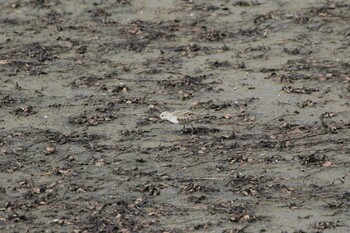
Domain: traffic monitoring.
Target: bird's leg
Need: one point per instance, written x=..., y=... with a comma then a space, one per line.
x=183, y=129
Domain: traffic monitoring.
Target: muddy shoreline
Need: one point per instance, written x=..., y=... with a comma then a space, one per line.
x=82, y=147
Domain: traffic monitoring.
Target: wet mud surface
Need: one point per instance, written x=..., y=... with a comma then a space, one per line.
x=82, y=148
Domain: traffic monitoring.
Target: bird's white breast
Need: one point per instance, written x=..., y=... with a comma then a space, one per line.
x=173, y=119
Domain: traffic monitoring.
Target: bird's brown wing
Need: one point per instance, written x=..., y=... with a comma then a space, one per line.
x=187, y=116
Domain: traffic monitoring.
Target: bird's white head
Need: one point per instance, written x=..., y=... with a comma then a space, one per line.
x=164, y=115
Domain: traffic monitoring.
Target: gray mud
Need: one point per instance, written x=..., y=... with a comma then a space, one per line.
x=82, y=148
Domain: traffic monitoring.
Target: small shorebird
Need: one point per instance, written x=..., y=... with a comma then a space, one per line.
x=182, y=117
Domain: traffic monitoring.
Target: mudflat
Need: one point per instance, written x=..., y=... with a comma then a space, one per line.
x=82, y=146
